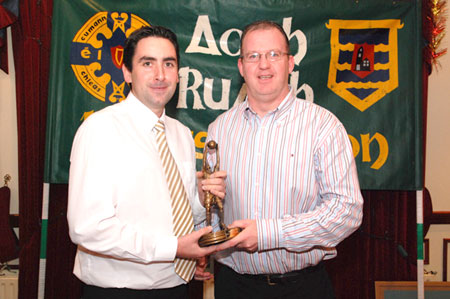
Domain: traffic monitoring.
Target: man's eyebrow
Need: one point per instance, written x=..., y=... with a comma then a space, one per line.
x=145, y=58
x=170, y=59
x=150, y=58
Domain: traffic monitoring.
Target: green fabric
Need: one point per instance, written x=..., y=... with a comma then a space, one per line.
x=419, y=241
x=43, y=251
x=380, y=108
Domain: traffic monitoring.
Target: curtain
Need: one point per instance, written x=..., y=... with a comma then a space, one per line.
x=383, y=248
x=8, y=15
x=31, y=45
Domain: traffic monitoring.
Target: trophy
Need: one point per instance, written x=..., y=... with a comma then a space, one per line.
x=212, y=201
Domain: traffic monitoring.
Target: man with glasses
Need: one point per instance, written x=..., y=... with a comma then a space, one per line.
x=291, y=184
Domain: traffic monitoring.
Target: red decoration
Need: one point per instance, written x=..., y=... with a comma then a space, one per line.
x=434, y=30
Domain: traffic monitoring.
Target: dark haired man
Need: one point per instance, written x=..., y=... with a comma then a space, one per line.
x=133, y=196
x=291, y=180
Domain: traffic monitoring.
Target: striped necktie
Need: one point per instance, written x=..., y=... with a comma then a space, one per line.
x=181, y=210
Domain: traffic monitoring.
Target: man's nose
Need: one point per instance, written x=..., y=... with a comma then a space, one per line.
x=263, y=61
x=160, y=73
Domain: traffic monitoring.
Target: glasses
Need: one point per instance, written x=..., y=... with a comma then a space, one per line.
x=273, y=55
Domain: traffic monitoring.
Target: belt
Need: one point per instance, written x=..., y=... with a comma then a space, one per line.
x=285, y=278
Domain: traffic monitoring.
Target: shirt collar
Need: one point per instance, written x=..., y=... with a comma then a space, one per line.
x=284, y=106
x=142, y=114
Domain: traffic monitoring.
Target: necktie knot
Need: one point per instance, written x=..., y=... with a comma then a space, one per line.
x=159, y=126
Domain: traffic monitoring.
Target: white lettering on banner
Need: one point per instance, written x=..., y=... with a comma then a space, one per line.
x=203, y=29
x=241, y=96
x=208, y=84
x=224, y=103
x=183, y=86
x=309, y=92
x=224, y=41
x=208, y=91
x=301, y=40
x=203, y=26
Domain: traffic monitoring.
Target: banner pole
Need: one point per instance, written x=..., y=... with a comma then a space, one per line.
x=43, y=250
x=420, y=275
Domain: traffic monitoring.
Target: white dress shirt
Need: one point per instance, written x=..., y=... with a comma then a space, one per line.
x=119, y=209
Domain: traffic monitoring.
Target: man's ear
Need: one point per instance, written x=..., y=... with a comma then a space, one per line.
x=291, y=63
x=240, y=66
x=126, y=74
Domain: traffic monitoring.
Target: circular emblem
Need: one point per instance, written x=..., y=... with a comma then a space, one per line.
x=96, y=54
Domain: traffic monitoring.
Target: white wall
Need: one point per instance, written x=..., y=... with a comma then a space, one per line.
x=437, y=172
x=8, y=129
x=438, y=139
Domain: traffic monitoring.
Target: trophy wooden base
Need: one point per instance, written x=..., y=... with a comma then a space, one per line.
x=218, y=237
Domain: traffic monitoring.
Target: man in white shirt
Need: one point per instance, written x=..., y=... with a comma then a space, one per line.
x=120, y=211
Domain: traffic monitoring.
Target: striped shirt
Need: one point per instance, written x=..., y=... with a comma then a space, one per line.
x=293, y=171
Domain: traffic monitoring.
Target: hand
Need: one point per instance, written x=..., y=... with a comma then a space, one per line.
x=247, y=239
x=214, y=184
x=188, y=245
x=200, y=273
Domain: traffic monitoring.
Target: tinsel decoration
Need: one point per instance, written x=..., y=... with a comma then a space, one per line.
x=434, y=29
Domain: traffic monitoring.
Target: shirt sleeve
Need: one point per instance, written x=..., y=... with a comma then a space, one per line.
x=338, y=211
x=92, y=218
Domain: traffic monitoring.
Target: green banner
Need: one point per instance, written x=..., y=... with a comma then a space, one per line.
x=359, y=59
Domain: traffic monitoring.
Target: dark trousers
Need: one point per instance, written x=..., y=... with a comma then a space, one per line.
x=309, y=283
x=93, y=292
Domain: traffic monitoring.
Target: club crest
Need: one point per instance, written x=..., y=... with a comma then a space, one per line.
x=96, y=54
x=364, y=60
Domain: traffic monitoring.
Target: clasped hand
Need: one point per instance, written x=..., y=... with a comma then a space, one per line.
x=247, y=240
x=214, y=184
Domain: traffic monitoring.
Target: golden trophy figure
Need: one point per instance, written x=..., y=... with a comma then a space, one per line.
x=211, y=201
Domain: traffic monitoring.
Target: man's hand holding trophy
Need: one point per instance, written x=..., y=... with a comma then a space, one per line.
x=212, y=201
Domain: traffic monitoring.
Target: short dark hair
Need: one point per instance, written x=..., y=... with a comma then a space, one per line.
x=143, y=32
x=264, y=24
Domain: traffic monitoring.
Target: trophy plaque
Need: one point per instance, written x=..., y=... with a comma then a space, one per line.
x=212, y=201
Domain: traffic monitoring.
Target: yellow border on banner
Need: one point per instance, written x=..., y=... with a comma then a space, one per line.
x=382, y=88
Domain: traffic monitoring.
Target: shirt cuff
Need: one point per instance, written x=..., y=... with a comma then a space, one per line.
x=166, y=248
x=269, y=234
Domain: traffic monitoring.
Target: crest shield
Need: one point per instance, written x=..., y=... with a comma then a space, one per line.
x=117, y=56
x=364, y=60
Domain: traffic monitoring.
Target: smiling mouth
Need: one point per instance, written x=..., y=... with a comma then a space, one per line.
x=265, y=77
x=159, y=87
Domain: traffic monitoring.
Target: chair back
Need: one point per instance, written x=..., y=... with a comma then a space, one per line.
x=9, y=247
